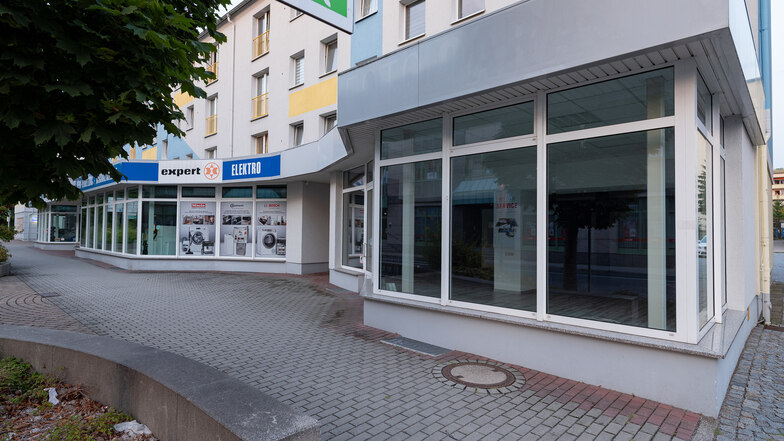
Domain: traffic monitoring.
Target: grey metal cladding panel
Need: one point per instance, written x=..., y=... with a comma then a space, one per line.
x=384, y=86
x=537, y=37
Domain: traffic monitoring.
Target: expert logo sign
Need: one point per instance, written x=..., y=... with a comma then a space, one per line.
x=189, y=171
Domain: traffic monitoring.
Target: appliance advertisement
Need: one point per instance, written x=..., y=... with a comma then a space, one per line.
x=235, y=230
x=197, y=229
x=271, y=229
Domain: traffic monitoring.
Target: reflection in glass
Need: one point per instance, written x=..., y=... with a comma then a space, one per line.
x=198, y=192
x=269, y=192
x=353, y=228
x=120, y=225
x=90, y=228
x=354, y=177
x=238, y=192
x=63, y=228
x=611, y=229
x=704, y=109
x=413, y=139
x=159, y=231
x=723, y=234
x=108, y=239
x=506, y=122
x=704, y=228
x=494, y=229
x=158, y=191
x=83, y=232
x=99, y=227
x=411, y=228
x=131, y=228
x=634, y=98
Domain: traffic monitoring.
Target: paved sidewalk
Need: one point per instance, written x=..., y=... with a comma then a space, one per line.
x=305, y=345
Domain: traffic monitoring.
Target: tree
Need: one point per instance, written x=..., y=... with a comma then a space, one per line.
x=83, y=78
x=778, y=211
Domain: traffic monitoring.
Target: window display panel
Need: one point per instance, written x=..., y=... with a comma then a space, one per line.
x=271, y=229
x=83, y=231
x=63, y=227
x=412, y=139
x=598, y=190
x=411, y=228
x=235, y=231
x=353, y=228
x=505, y=122
x=197, y=228
x=131, y=231
x=99, y=226
x=91, y=227
x=108, y=239
x=634, y=98
x=119, y=222
x=704, y=228
x=494, y=229
x=159, y=228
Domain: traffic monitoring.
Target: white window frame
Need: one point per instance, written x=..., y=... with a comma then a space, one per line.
x=366, y=8
x=262, y=138
x=407, y=6
x=298, y=127
x=684, y=122
x=298, y=60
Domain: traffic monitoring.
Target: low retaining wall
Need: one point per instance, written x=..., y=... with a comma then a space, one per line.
x=55, y=246
x=177, y=398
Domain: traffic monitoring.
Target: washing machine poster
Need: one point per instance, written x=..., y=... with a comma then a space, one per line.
x=235, y=228
x=271, y=229
x=197, y=228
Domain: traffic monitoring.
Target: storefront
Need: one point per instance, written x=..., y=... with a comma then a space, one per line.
x=575, y=219
x=57, y=226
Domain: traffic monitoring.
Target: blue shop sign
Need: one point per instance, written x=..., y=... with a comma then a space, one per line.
x=133, y=171
x=266, y=167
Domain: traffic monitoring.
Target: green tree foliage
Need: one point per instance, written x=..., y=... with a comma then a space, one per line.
x=778, y=211
x=82, y=78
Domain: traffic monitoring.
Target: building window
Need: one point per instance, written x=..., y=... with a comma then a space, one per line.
x=704, y=229
x=611, y=229
x=494, y=229
x=212, y=116
x=330, y=55
x=505, y=122
x=261, y=143
x=165, y=149
x=366, y=7
x=213, y=66
x=261, y=42
x=298, y=64
x=260, y=102
x=412, y=139
x=159, y=228
x=638, y=97
x=295, y=13
x=210, y=153
x=189, y=117
x=353, y=228
x=330, y=121
x=298, y=130
x=415, y=19
x=704, y=107
x=469, y=7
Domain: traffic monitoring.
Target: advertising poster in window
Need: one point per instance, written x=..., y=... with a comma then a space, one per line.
x=507, y=243
x=235, y=231
x=197, y=228
x=271, y=229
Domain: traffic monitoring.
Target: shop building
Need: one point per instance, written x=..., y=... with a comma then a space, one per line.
x=545, y=183
x=551, y=183
x=25, y=223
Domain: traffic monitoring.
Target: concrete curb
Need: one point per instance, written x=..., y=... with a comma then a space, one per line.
x=178, y=398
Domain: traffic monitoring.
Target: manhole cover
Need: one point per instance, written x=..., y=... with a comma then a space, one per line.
x=479, y=376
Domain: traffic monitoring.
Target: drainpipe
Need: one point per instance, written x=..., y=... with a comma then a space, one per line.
x=233, y=75
x=765, y=221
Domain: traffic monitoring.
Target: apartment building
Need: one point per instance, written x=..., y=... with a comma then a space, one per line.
x=547, y=183
x=778, y=185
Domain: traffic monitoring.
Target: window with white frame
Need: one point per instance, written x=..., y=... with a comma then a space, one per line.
x=295, y=13
x=469, y=7
x=189, y=117
x=330, y=121
x=298, y=68
x=330, y=55
x=260, y=143
x=414, y=19
x=260, y=101
x=165, y=149
x=210, y=153
x=297, y=133
x=365, y=8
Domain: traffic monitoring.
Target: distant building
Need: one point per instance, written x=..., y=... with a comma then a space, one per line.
x=778, y=184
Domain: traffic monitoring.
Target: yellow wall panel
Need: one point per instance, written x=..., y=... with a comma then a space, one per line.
x=182, y=99
x=314, y=97
x=151, y=153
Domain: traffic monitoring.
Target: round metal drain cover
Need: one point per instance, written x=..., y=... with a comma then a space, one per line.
x=479, y=376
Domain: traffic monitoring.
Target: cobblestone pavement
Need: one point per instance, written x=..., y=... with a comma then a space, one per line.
x=754, y=406
x=300, y=343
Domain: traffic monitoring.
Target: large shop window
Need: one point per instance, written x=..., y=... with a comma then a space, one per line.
x=83, y=233
x=131, y=231
x=119, y=221
x=235, y=228
x=505, y=122
x=159, y=228
x=611, y=229
x=197, y=229
x=704, y=229
x=271, y=229
x=63, y=227
x=494, y=229
x=411, y=228
x=634, y=98
x=353, y=228
x=91, y=228
x=99, y=225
